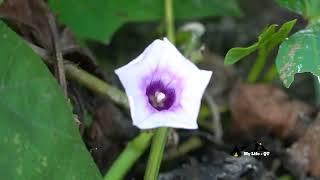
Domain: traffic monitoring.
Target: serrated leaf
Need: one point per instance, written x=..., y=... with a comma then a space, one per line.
x=99, y=19
x=307, y=8
x=38, y=136
x=298, y=54
x=268, y=39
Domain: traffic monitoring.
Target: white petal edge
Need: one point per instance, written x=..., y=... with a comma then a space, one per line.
x=167, y=119
x=191, y=98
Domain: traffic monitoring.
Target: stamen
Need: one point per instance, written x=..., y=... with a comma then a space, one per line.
x=160, y=96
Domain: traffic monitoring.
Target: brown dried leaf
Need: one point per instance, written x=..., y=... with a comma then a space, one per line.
x=305, y=153
x=264, y=107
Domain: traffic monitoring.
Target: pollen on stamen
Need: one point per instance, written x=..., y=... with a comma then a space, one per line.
x=160, y=96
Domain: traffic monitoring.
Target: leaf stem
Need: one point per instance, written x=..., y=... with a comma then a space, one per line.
x=129, y=156
x=258, y=66
x=156, y=153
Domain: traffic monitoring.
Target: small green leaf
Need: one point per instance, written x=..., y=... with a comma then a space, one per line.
x=267, y=32
x=99, y=19
x=38, y=136
x=236, y=54
x=268, y=39
x=298, y=54
x=307, y=8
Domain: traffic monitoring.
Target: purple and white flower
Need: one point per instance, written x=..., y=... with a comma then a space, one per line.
x=163, y=87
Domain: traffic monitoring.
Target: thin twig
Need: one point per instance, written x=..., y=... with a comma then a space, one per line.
x=58, y=55
x=218, y=132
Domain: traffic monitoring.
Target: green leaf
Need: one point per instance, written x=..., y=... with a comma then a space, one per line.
x=236, y=54
x=38, y=136
x=268, y=39
x=99, y=19
x=308, y=8
x=298, y=54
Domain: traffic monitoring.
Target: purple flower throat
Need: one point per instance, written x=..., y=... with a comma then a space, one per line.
x=160, y=96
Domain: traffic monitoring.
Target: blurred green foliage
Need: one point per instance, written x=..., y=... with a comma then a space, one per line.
x=99, y=19
x=308, y=8
x=38, y=136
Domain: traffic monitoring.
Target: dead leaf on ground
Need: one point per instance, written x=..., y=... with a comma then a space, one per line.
x=264, y=107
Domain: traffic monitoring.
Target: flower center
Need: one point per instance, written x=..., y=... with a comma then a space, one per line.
x=159, y=96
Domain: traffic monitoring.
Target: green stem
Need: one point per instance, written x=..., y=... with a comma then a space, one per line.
x=156, y=153
x=95, y=84
x=258, y=66
x=129, y=156
x=271, y=74
x=160, y=138
x=169, y=20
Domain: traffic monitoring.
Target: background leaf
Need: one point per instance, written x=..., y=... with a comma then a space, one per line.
x=38, y=136
x=307, y=8
x=299, y=53
x=99, y=19
x=268, y=39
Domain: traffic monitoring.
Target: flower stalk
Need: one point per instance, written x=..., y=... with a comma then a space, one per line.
x=160, y=137
x=156, y=153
